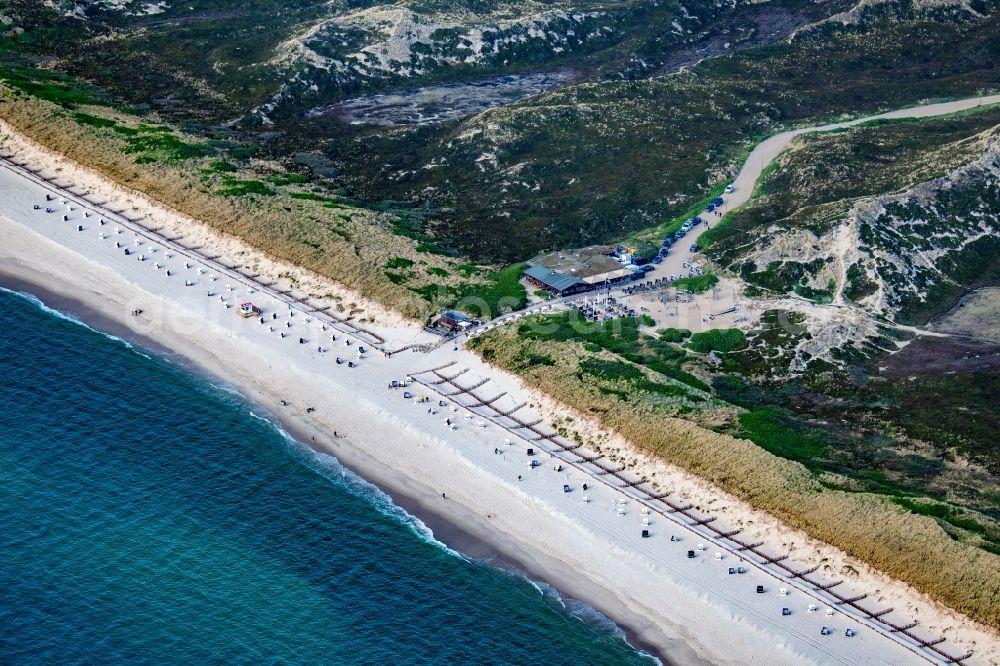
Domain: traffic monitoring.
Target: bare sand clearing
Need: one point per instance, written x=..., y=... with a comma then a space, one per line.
x=690, y=610
x=975, y=316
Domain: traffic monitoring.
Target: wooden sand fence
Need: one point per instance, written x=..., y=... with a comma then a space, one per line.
x=683, y=514
x=233, y=272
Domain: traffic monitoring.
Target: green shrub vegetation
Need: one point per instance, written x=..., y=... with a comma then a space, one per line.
x=815, y=295
x=51, y=86
x=232, y=187
x=93, y=121
x=399, y=262
x=776, y=430
x=720, y=340
x=398, y=278
x=435, y=293
x=501, y=292
x=156, y=144
x=538, y=359
x=288, y=179
x=990, y=534
x=698, y=283
x=674, y=334
x=150, y=142
x=221, y=166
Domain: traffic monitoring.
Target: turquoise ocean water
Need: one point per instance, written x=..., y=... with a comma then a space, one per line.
x=148, y=517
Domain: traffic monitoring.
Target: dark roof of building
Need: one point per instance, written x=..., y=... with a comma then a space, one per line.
x=581, y=263
x=552, y=279
x=455, y=316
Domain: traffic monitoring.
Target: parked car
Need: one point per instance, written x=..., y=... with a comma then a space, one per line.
x=710, y=208
x=695, y=247
x=718, y=201
x=730, y=189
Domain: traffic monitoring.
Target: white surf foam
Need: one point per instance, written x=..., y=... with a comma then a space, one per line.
x=40, y=304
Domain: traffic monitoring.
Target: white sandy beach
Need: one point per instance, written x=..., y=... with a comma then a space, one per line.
x=691, y=610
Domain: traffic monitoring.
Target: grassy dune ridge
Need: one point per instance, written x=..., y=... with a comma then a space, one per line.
x=906, y=546
x=329, y=236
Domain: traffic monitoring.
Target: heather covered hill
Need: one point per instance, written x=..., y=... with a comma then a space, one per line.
x=224, y=60
x=594, y=161
x=610, y=140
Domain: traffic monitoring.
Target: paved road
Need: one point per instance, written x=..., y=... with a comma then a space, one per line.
x=761, y=156
x=769, y=149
